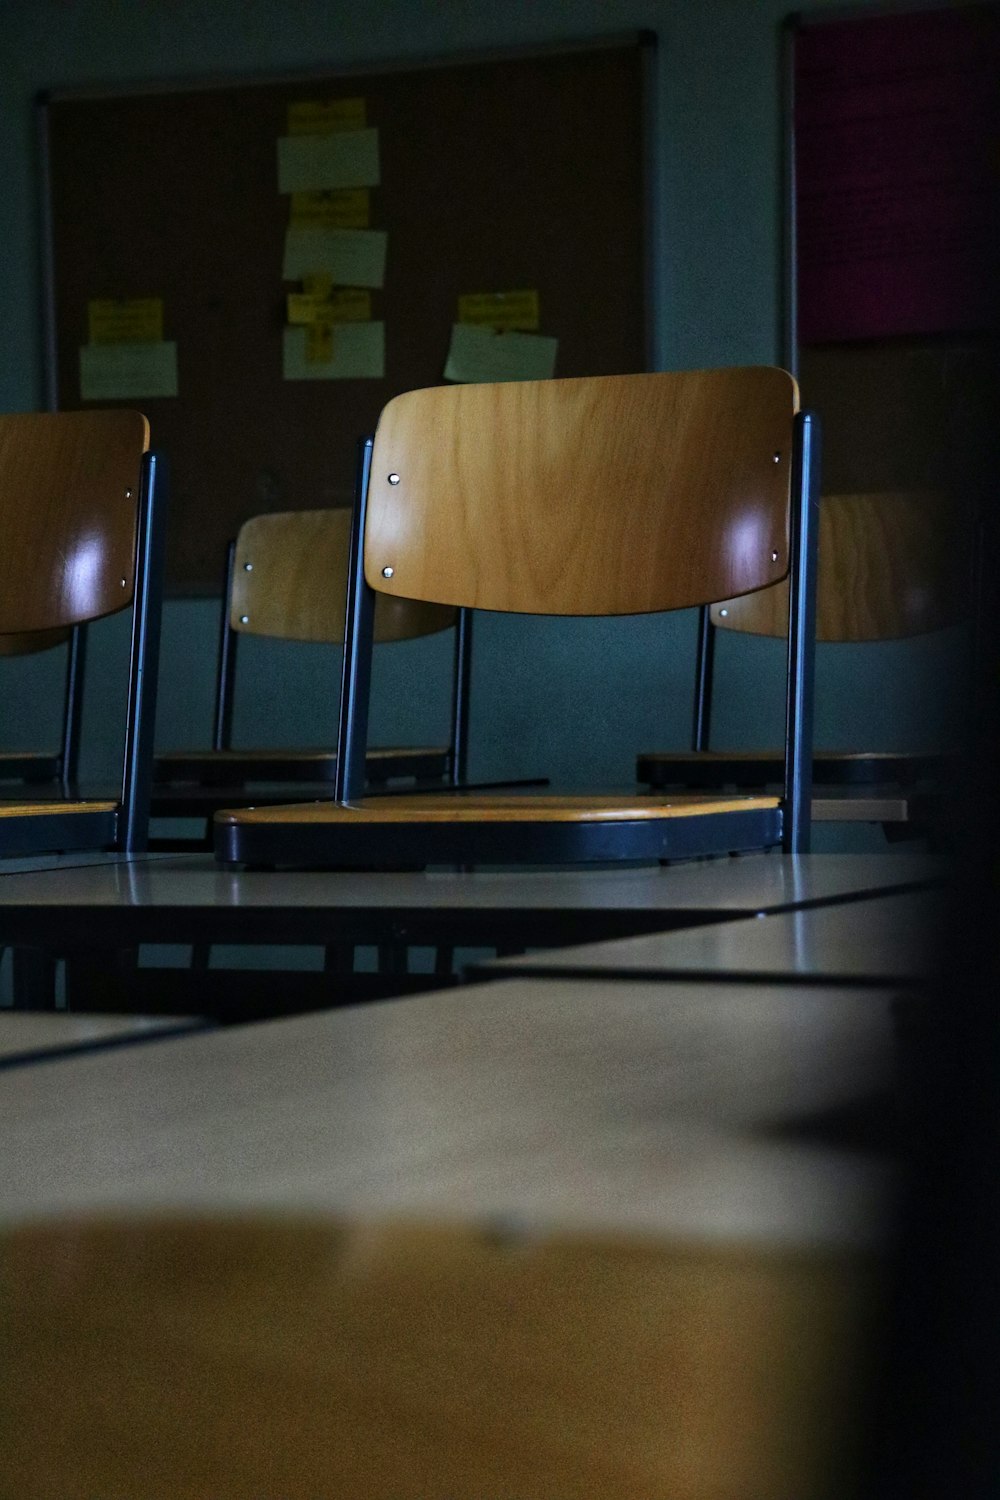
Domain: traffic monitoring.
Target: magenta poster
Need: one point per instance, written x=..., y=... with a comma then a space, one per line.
x=897, y=163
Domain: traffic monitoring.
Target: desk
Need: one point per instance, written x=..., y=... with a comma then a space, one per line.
x=28, y=1038
x=632, y=1107
x=188, y=898
x=887, y=940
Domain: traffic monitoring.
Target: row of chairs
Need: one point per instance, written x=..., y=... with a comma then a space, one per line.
x=612, y=495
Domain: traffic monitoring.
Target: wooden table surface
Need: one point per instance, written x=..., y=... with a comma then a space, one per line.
x=682, y=1109
x=890, y=940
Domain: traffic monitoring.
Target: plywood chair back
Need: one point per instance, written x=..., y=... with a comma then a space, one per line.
x=310, y=1359
x=891, y=564
x=82, y=514
x=69, y=506
x=290, y=581
x=602, y=496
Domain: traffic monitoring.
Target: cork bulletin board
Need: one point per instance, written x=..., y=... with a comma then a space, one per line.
x=167, y=238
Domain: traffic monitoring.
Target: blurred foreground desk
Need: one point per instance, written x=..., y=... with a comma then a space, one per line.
x=605, y=1230
x=682, y=1109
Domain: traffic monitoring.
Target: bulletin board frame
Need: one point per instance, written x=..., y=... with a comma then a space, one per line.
x=499, y=172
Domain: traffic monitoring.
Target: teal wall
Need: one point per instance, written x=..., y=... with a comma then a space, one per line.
x=623, y=685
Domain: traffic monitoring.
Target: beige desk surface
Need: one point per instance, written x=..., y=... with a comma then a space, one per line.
x=750, y=883
x=885, y=940
x=25, y=1034
x=631, y=1106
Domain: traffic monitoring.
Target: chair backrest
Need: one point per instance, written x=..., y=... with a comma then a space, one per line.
x=600, y=496
x=891, y=564
x=300, y=1358
x=290, y=581
x=69, y=507
x=82, y=518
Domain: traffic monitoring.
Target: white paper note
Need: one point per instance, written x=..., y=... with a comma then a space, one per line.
x=357, y=353
x=350, y=257
x=479, y=354
x=123, y=372
x=316, y=163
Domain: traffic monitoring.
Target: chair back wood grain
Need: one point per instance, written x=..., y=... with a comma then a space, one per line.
x=290, y=581
x=69, y=483
x=311, y=1360
x=607, y=495
x=891, y=564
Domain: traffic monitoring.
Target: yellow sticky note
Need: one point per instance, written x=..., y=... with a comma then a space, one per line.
x=340, y=208
x=319, y=342
x=345, y=305
x=314, y=117
x=503, y=311
x=128, y=320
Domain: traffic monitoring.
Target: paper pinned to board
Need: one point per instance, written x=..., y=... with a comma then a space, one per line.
x=350, y=257
x=126, y=372
x=345, y=305
x=324, y=117
x=504, y=311
x=125, y=320
x=356, y=352
x=339, y=208
x=317, y=163
x=480, y=355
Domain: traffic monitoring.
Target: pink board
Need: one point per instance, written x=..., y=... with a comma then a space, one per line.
x=897, y=162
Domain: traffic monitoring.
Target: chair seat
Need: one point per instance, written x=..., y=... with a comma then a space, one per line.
x=234, y=767
x=715, y=768
x=47, y=827
x=452, y=826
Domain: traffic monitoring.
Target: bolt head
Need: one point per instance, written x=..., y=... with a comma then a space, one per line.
x=393, y=478
x=387, y=572
x=244, y=619
x=248, y=567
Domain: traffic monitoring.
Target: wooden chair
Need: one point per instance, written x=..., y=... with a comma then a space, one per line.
x=312, y=1359
x=602, y=496
x=286, y=578
x=82, y=516
x=891, y=565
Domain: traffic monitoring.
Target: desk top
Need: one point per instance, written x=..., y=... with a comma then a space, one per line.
x=686, y=1110
x=169, y=898
x=26, y=1036
x=885, y=940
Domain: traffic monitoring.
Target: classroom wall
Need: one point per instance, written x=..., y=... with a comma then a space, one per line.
x=624, y=685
